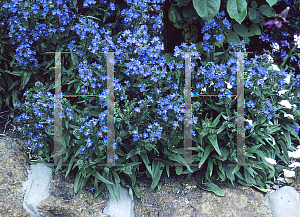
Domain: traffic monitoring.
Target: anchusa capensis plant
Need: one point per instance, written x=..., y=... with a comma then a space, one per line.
x=149, y=110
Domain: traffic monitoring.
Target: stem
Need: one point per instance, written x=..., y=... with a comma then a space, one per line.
x=213, y=54
x=288, y=56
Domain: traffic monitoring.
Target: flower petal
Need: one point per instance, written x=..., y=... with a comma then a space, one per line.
x=270, y=23
x=278, y=24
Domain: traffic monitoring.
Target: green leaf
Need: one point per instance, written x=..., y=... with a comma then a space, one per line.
x=159, y=186
x=158, y=167
x=17, y=73
x=14, y=84
x=130, y=193
x=190, y=13
x=255, y=29
x=132, y=153
x=253, y=4
x=267, y=11
x=178, y=170
x=105, y=16
x=213, y=139
x=232, y=37
x=43, y=45
x=77, y=182
x=174, y=15
x=183, y=2
x=117, y=178
x=74, y=58
x=221, y=128
x=212, y=187
x=237, y=9
x=237, y=167
x=253, y=148
x=261, y=189
x=216, y=121
x=252, y=13
x=210, y=167
x=70, y=165
x=179, y=159
x=112, y=191
x=144, y=157
x=25, y=79
x=83, y=182
x=98, y=190
x=98, y=176
x=137, y=192
x=207, y=151
x=207, y=9
x=246, y=39
x=271, y=2
x=242, y=30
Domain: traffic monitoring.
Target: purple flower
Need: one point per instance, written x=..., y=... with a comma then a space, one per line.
x=279, y=19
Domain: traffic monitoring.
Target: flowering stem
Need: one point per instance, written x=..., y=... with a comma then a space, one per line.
x=287, y=56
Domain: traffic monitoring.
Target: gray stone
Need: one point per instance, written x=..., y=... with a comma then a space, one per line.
x=281, y=199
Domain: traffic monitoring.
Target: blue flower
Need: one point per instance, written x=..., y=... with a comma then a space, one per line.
x=112, y=6
x=250, y=104
x=219, y=37
x=285, y=43
x=264, y=37
x=89, y=142
x=116, y=157
x=81, y=150
x=175, y=124
x=282, y=54
x=269, y=103
x=293, y=59
x=296, y=128
x=226, y=23
x=206, y=36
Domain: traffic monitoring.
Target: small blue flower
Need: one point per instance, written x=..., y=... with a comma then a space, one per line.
x=112, y=6
x=226, y=23
x=145, y=135
x=81, y=150
x=116, y=157
x=250, y=104
x=219, y=37
x=206, y=36
x=269, y=103
x=296, y=128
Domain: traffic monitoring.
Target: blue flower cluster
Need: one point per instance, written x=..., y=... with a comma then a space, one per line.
x=216, y=28
x=137, y=46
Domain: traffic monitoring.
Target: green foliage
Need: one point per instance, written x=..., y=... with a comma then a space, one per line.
x=237, y=9
x=207, y=9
